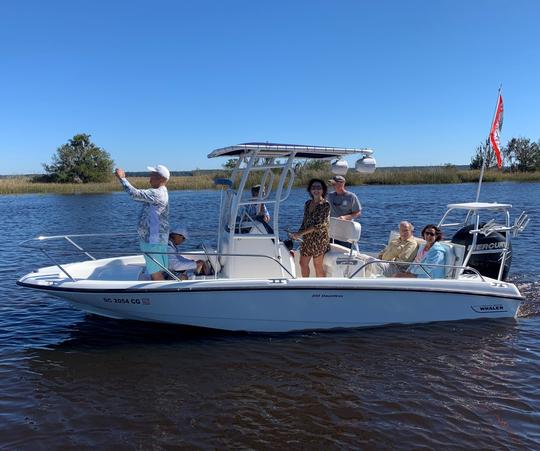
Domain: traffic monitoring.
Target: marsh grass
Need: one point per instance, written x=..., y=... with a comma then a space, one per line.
x=205, y=180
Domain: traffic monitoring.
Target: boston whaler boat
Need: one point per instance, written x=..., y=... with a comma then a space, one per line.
x=256, y=285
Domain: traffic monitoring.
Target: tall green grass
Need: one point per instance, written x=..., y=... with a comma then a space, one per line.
x=205, y=180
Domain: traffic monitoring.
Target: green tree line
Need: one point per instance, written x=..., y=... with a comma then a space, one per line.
x=519, y=155
x=81, y=161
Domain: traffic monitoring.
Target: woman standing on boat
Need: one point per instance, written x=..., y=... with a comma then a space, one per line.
x=314, y=229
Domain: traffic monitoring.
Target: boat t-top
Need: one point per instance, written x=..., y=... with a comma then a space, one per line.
x=256, y=283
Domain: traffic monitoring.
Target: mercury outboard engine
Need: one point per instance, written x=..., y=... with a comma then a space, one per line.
x=487, y=264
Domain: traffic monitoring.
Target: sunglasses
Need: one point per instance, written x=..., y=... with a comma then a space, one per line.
x=430, y=233
x=316, y=187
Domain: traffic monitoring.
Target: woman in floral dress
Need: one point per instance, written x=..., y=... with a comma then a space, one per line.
x=314, y=229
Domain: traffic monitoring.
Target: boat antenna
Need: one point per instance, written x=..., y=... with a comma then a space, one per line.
x=488, y=145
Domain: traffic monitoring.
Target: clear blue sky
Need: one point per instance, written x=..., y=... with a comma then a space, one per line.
x=169, y=81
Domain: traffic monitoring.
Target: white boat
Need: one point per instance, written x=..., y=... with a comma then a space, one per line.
x=256, y=284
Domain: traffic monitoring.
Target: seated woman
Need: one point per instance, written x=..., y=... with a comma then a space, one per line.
x=183, y=267
x=314, y=229
x=431, y=253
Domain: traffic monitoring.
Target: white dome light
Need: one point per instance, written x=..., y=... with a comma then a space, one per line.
x=366, y=165
x=340, y=167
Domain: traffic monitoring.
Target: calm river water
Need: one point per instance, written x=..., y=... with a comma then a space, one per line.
x=69, y=380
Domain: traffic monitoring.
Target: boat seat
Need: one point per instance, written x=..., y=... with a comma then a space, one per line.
x=337, y=262
x=343, y=230
x=454, y=254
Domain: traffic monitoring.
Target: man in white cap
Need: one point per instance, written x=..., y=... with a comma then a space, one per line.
x=153, y=227
x=179, y=264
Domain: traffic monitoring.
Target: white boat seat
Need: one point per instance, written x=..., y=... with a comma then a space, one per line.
x=454, y=256
x=343, y=230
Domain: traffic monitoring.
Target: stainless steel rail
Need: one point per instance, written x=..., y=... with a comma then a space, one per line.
x=428, y=265
x=33, y=243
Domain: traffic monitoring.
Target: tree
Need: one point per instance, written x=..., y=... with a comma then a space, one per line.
x=230, y=164
x=483, y=150
x=317, y=165
x=79, y=161
x=523, y=155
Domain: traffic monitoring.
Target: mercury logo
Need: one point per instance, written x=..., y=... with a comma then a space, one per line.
x=488, y=246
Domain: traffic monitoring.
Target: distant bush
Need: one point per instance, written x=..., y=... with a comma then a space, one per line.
x=78, y=161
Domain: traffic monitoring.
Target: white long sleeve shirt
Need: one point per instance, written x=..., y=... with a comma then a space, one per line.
x=177, y=262
x=153, y=224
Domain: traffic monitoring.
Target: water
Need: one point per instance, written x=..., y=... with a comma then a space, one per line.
x=70, y=380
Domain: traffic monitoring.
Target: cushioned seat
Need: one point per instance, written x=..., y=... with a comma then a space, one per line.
x=454, y=254
x=343, y=230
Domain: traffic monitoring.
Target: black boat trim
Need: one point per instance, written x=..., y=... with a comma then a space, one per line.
x=272, y=288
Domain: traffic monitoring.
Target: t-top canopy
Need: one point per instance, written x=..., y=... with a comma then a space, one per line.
x=480, y=206
x=282, y=150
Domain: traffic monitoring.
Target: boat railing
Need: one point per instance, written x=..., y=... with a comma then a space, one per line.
x=35, y=243
x=423, y=266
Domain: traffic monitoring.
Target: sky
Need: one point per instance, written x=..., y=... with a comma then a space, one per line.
x=166, y=82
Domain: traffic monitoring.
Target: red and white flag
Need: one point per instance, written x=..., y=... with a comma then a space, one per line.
x=495, y=133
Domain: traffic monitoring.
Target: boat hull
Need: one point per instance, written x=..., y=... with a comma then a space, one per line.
x=284, y=306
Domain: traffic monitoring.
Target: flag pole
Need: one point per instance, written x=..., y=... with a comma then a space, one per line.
x=484, y=158
x=488, y=145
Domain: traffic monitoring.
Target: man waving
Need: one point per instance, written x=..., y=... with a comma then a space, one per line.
x=153, y=227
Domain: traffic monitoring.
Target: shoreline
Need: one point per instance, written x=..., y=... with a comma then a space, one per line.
x=204, y=181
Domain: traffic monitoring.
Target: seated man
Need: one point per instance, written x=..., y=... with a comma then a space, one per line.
x=183, y=267
x=254, y=212
x=431, y=254
x=400, y=249
x=258, y=212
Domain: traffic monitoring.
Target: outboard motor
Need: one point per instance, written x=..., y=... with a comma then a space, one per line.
x=487, y=264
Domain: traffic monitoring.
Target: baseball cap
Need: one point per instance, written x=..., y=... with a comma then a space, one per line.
x=180, y=230
x=337, y=178
x=161, y=170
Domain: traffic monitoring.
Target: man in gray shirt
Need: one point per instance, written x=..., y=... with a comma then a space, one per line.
x=343, y=203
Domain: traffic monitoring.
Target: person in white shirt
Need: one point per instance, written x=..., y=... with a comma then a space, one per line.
x=153, y=227
x=180, y=265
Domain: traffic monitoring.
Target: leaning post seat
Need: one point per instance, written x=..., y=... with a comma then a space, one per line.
x=344, y=230
x=337, y=262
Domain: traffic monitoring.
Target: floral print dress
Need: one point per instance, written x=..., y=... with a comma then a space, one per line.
x=317, y=242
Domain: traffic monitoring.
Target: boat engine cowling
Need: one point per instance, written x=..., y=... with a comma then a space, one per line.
x=487, y=264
